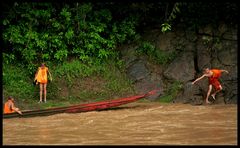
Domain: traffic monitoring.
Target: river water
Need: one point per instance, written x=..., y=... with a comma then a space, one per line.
x=131, y=124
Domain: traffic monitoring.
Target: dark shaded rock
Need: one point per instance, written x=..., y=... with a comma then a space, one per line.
x=189, y=47
x=230, y=34
x=228, y=56
x=221, y=29
x=178, y=43
x=219, y=98
x=129, y=54
x=179, y=30
x=230, y=92
x=215, y=63
x=181, y=69
x=191, y=36
x=137, y=71
x=197, y=100
x=231, y=100
x=144, y=78
x=206, y=30
x=163, y=41
x=145, y=85
x=203, y=56
x=190, y=94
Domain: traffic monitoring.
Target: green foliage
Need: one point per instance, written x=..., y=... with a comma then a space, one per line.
x=61, y=55
x=164, y=57
x=175, y=10
x=67, y=77
x=160, y=56
x=117, y=82
x=109, y=79
x=50, y=32
x=8, y=58
x=76, y=69
x=146, y=48
x=55, y=32
x=122, y=31
x=165, y=27
x=172, y=92
x=17, y=83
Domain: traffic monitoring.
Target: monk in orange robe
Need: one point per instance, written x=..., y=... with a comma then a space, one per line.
x=41, y=78
x=213, y=79
x=9, y=106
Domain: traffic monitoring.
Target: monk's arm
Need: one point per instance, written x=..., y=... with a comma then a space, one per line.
x=15, y=109
x=36, y=75
x=198, y=79
x=50, y=75
x=224, y=71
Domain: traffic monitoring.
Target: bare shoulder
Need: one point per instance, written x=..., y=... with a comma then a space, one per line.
x=207, y=75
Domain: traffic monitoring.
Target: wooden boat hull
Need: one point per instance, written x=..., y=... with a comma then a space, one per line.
x=78, y=108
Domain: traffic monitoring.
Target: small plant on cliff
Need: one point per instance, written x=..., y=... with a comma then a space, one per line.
x=159, y=56
x=206, y=40
x=172, y=92
x=165, y=27
x=164, y=57
x=146, y=48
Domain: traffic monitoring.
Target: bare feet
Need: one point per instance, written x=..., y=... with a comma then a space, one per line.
x=20, y=112
x=208, y=102
x=213, y=95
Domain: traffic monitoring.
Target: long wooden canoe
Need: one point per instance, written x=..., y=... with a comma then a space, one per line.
x=80, y=107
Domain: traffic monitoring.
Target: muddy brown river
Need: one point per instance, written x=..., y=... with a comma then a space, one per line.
x=131, y=124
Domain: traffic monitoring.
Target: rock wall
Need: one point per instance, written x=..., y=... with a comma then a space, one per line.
x=210, y=46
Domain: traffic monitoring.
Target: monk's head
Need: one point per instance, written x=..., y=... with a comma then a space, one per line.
x=206, y=70
x=11, y=98
x=43, y=65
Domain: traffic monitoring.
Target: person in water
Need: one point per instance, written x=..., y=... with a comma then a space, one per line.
x=213, y=76
x=41, y=78
x=9, y=106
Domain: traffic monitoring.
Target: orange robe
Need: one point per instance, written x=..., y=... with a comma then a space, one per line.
x=7, y=108
x=214, y=78
x=42, y=75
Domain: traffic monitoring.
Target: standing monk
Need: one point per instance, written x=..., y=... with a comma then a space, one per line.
x=9, y=106
x=213, y=76
x=41, y=78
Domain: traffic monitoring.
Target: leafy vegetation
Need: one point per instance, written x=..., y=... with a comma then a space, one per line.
x=158, y=55
x=17, y=83
x=172, y=92
x=74, y=82
x=47, y=33
x=36, y=32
